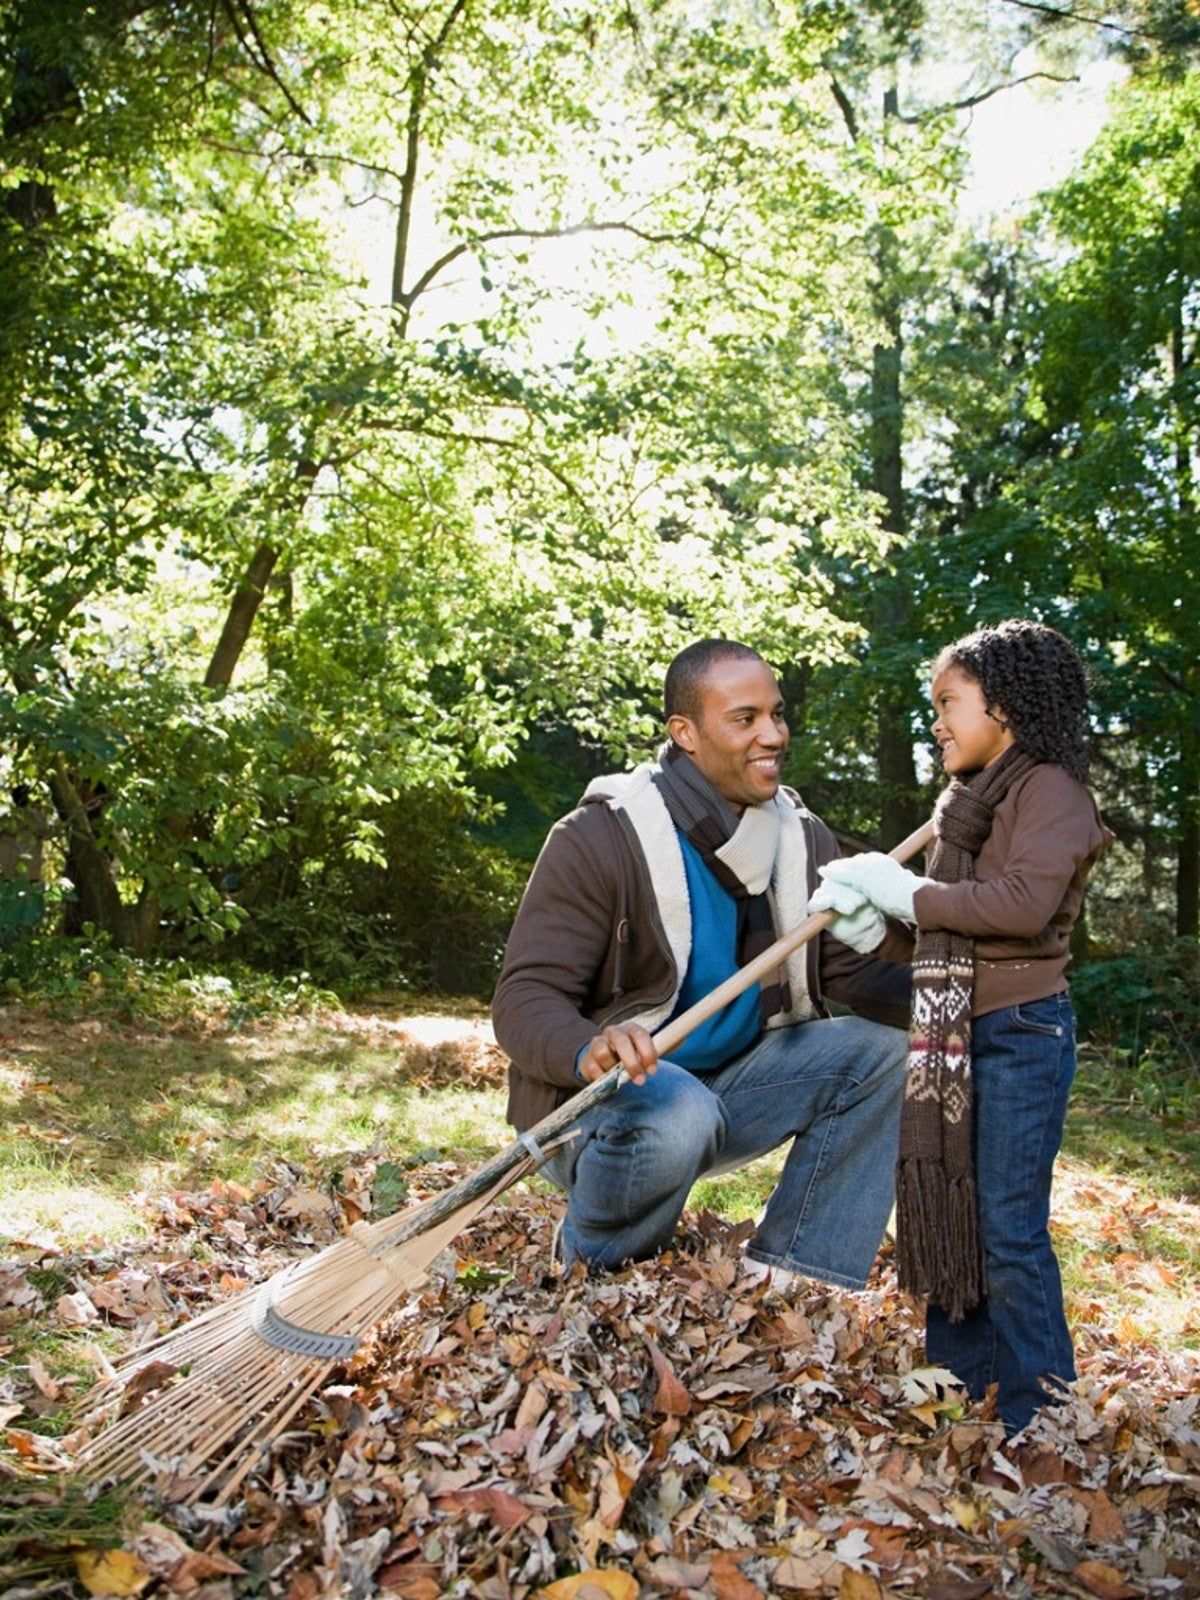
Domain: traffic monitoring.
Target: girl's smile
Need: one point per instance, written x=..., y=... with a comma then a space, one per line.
x=970, y=734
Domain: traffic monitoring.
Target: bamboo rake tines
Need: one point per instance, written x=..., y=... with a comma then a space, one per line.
x=239, y=1387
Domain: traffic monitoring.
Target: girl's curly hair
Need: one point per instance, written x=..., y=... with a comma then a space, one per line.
x=1035, y=679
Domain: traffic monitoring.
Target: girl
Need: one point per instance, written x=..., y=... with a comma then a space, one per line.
x=992, y=1050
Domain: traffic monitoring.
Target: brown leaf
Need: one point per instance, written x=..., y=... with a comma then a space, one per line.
x=76, y=1310
x=1103, y=1580
x=858, y=1586
x=1106, y=1525
x=728, y=1581
x=671, y=1398
x=502, y=1509
x=614, y=1490
x=200, y=1565
x=415, y=1580
x=152, y=1376
x=668, y=1572
x=43, y=1379
x=307, y=1203
x=811, y=1573
x=948, y=1586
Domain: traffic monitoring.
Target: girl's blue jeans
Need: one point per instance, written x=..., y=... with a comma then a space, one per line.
x=831, y=1087
x=1023, y=1061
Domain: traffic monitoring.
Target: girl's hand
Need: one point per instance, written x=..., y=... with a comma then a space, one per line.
x=857, y=923
x=879, y=879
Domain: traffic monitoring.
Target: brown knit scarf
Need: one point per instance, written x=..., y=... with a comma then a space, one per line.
x=938, y=1248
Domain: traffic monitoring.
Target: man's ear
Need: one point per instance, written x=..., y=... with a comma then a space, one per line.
x=683, y=732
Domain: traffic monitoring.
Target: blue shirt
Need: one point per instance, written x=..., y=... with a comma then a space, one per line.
x=713, y=959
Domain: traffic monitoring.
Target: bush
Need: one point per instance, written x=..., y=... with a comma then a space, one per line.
x=1140, y=1013
x=87, y=977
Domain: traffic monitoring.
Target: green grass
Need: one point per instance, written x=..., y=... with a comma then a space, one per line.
x=42, y=1523
x=92, y=1120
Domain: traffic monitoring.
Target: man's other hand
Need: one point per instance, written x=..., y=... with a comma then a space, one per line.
x=623, y=1044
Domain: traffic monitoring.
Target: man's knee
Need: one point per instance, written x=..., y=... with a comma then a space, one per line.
x=671, y=1120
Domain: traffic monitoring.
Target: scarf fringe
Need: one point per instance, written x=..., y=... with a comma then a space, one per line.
x=939, y=1253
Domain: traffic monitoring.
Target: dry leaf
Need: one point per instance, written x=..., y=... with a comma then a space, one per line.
x=146, y=1379
x=729, y=1582
x=671, y=1398
x=858, y=1586
x=1105, y=1523
x=43, y=1379
x=76, y=1309
x=308, y=1203
x=115, y=1572
x=1103, y=1580
x=617, y=1585
x=504, y=1510
x=810, y=1573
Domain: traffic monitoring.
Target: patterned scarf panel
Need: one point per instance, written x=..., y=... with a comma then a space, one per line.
x=938, y=1248
x=708, y=821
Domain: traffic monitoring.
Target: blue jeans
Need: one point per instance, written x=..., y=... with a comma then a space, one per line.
x=832, y=1087
x=1023, y=1061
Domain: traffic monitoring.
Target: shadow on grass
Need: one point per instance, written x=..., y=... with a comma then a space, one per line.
x=121, y=1110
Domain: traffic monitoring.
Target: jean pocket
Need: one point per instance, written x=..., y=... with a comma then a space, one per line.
x=1040, y=1016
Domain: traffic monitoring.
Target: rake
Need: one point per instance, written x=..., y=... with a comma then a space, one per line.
x=242, y=1370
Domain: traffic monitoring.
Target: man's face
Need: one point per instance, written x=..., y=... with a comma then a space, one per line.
x=739, y=738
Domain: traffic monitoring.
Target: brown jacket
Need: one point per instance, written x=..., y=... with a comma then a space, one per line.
x=1027, y=892
x=588, y=947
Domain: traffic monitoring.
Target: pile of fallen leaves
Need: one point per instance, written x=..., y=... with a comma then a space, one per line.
x=672, y=1429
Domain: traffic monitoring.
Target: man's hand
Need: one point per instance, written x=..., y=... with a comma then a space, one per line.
x=623, y=1044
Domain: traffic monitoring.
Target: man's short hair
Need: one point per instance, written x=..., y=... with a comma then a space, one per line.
x=683, y=690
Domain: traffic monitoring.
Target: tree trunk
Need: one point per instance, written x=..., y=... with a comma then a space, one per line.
x=1187, y=875
x=239, y=619
x=892, y=607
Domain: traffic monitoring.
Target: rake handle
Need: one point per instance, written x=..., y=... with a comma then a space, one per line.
x=665, y=1040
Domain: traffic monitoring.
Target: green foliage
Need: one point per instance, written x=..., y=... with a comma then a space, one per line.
x=389, y=1191
x=1141, y=1012
x=301, y=572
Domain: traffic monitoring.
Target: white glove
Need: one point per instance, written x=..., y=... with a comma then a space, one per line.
x=857, y=924
x=884, y=882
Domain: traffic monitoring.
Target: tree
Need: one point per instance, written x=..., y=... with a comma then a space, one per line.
x=1119, y=392
x=407, y=534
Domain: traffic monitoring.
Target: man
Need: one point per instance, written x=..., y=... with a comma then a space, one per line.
x=662, y=883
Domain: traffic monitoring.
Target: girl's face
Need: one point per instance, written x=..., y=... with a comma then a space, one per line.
x=970, y=737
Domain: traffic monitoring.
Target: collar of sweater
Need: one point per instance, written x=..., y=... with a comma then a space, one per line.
x=787, y=876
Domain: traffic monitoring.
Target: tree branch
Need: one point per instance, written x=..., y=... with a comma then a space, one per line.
x=412, y=150
x=845, y=107
x=240, y=13
x=1080, y=16
x=467, y=245
x=917, y=117
x=330, y=158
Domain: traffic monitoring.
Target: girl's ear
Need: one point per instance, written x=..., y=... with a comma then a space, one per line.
x=998, y=716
